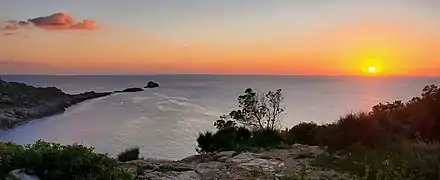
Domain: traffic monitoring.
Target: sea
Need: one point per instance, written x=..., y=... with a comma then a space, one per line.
x=164, y=122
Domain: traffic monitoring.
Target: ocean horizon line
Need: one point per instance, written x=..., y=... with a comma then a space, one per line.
x=243, y=75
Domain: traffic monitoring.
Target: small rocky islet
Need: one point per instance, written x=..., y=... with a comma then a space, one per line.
x=152, y=84
x=20, y=103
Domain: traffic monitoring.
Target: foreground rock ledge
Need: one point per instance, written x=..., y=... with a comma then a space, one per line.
x=272, y=164
x=20, y=103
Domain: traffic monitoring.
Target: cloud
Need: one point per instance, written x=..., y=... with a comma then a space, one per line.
x=62, y=21
x=57, y=21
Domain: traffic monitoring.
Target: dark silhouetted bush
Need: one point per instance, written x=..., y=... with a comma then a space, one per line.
x=238, y=139
x=55, y=161
x=231, y=138
x=129, y=154
x=396, y=160
x=418, y=120
x=205, y=142
x=303, y=133
x=266, y=138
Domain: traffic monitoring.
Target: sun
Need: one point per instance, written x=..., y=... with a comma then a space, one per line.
x=372, y=69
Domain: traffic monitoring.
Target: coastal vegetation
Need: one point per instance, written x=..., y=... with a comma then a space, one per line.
x=397, y=140
x=56, y=161
x=129, y=154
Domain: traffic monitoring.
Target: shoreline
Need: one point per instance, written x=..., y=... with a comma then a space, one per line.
x=18, y=124
x=21, y=103
x=27, y=114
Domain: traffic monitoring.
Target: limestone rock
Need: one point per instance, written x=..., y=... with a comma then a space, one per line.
x=188, y=175
x=226, y=153
x=19, y=174
x=264, y=165
x=242, y=158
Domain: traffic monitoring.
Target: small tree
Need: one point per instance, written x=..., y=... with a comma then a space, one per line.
x=256, y=111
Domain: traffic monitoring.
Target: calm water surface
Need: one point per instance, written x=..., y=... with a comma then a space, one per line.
x=164, y=122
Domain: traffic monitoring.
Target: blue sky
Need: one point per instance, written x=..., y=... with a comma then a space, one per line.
x=168, y=16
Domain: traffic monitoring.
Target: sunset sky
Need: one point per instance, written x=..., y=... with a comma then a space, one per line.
x=303, y=37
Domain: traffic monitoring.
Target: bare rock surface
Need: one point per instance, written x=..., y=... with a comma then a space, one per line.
x=20, y=174
x=285, y=163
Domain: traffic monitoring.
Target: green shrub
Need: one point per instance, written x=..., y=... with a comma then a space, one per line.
x=204, y=141
x=55, y=161
x=266, y=138
x=403, y=160
x=226, y=139
x=417, y=119
x=8, y=153
x=237, y=139
x=231, y=138
x=303, y=133
x=129, y=154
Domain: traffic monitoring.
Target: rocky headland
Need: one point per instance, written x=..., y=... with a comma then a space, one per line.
x=20, y=103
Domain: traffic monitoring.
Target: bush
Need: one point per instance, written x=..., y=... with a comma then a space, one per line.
x=416, y=120
x=403, y=160
x=266, y=138
x=8, y=153
x=303, y=133
x=56, y=161
x=231, y=138
x=129, y=154
x=205, y=143
x=350, y=130
x=237, y=139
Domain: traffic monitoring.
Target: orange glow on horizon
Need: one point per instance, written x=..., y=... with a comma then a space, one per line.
x=389, y=49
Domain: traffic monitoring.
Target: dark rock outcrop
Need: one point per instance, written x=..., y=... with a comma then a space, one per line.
x=131, y=90
x=21, y=103
x=77, y=98
x=152, y=84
